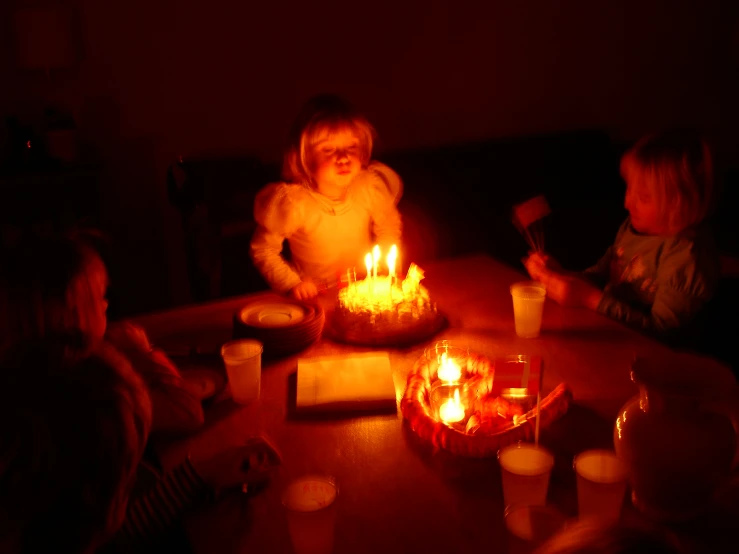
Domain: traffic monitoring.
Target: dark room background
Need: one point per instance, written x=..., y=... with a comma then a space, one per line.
x=151, y=80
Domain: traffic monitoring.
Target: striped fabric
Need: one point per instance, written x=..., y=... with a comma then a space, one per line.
x=153, y=514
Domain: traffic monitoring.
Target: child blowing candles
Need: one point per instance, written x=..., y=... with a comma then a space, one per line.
x=662, y=268
x=56, y=285
x=334, y=205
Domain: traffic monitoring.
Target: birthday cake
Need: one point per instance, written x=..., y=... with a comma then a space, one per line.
x=382, y=310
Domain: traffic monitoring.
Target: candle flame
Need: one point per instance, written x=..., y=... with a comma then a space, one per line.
x=452, y=410
x=375, y=295
x=448, y=369
x=392, y=256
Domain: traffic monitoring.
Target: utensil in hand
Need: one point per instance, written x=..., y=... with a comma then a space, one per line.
x=527, y=218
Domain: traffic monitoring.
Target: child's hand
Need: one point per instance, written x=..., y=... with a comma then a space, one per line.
x=537, y=259
x=125, y=335
x=571, y=291
x=237, y=466
x=541, y=265
x=305, y=290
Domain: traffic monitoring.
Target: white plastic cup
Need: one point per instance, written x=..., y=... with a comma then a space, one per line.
x=601, y=484
x=243, y=361
x=310, y=503
x=528, y=307
x=525, y=469
x=532, y=525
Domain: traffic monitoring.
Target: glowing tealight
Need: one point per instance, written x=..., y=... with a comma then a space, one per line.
x=448, y=369
x=452, y=410
x=368, y=264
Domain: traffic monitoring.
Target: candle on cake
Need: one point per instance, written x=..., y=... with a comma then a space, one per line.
x=384, y=304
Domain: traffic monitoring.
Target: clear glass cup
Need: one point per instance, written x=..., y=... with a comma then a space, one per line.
x=528, y=307
x=452, y=403
x=525, y=469
x=601, y=484
x=243, y=361
x=447, y=361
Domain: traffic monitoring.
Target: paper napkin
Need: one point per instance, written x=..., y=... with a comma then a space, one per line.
x=350, y=382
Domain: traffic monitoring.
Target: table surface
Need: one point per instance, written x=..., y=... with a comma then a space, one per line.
x=397, y=494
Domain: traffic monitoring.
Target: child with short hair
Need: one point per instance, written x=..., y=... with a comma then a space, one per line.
x=73, y=429
x=335, y=204
x=56, y=284
x=663, y=267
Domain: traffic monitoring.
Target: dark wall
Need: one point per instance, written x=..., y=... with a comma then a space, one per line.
x=158, y=79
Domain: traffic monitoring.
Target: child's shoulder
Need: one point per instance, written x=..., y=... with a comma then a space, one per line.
x=693, y=242
x=281, y=201
x=691, y=255
x=282, y=190
x=281, y=194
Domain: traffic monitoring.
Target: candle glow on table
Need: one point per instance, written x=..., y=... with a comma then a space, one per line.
x=452, y=410
x=448, y=369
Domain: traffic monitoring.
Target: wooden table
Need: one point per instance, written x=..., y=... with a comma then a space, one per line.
x=396, y=495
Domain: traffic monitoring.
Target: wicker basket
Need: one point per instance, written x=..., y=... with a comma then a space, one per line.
x=419, y=413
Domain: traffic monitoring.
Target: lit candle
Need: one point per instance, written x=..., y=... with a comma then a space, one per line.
x=448, y=369
x=452, y=410
x=375, y=259
x=368, y=264
x=392, y=256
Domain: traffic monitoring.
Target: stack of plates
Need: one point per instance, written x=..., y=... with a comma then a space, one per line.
x=283, y=325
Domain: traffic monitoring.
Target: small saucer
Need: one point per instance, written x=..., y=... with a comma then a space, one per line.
x=272, y=315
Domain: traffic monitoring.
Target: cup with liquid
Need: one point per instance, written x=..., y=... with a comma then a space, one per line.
x=243, y=361
x=310, y=504
x=601, y=484
x=528, y=307
x=525, y=470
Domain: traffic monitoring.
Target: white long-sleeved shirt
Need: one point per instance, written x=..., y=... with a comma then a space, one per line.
x=325, y=237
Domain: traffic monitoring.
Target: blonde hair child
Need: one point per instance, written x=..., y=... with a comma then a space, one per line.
x=663, y=267
x=334, y=205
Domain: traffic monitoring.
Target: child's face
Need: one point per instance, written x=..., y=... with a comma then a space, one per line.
x=98, y=283
x=642, y=206
x=335, y=160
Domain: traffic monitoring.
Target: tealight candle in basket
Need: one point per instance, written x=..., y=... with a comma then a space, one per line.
x=451, y=402
x=447, y=362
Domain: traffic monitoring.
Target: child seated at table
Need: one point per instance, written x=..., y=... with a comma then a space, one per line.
x=73, y=428
x=57, y=284
x=662, y=268
x=335, y=204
